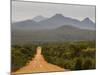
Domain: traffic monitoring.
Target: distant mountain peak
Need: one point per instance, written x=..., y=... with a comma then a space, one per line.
x=87, y=19
x=58, y=15
x=39, y=18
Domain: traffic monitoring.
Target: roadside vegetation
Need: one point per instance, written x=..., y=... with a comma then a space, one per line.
x=72, y=55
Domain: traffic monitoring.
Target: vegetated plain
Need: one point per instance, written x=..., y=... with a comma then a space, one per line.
x=73, y=55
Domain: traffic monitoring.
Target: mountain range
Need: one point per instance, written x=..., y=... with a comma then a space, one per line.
x=40, y=22
x=55, y=28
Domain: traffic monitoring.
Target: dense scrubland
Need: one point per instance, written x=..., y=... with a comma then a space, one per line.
x=72, y=55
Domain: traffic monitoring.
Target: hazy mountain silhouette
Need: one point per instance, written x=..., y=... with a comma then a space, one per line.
x=53, y=22
x=39, y=18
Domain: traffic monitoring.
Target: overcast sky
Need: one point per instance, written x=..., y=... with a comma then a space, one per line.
x=28, y=10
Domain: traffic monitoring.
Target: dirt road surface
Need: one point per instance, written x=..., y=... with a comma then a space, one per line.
x=38, y=64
